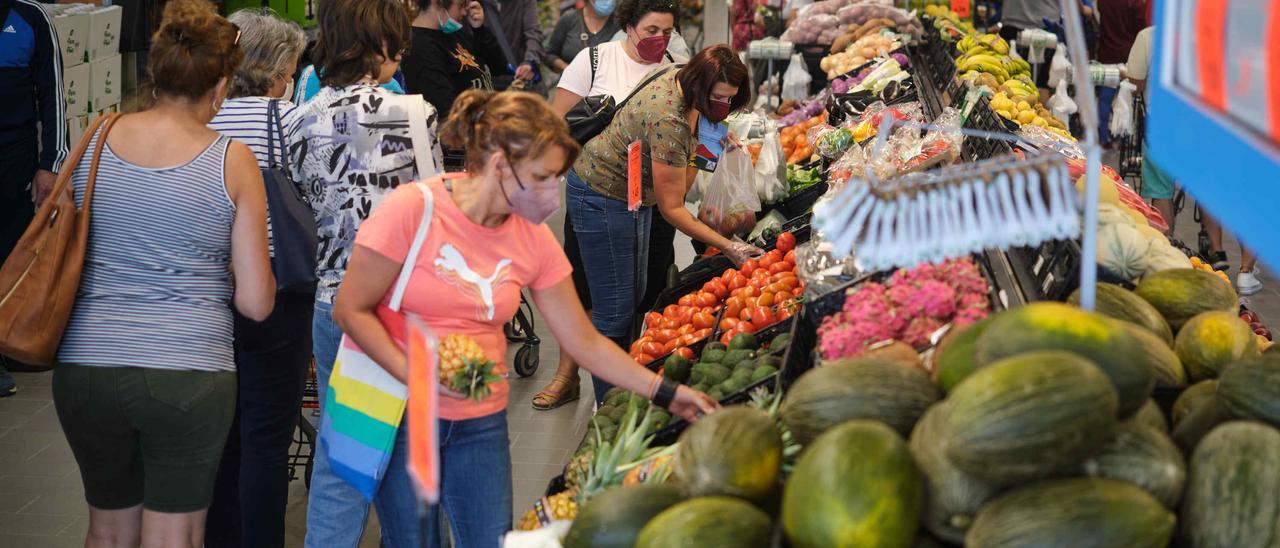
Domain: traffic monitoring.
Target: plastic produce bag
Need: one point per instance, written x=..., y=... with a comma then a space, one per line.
x=1061, y=104
x=1059, y=67
x=698, y=189
x=771, y=167
x=795, y=82
x=766, y=229
x=1122, y=111
x=729, y=204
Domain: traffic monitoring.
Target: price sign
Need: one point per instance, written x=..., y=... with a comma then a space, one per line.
x=961, y=7
x=635, y=176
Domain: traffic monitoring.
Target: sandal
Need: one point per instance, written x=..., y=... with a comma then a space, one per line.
x=562, y=390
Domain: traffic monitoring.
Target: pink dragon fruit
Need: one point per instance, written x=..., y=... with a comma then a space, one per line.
x=847, y=340
x=972, y=300
x=918, y=332
x=967, y=316
x=930, y=298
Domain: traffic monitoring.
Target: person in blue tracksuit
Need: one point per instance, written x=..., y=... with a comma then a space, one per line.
x=30, y=92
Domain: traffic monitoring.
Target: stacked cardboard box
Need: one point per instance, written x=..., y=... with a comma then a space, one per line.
x=89, y=39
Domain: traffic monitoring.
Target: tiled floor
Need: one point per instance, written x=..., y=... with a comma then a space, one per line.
x=42, y=501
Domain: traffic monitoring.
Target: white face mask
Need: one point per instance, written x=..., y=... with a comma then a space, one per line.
x=288, y=90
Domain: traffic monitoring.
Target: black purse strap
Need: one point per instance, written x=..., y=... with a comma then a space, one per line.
x=642, y=85
x=275, y=128
x=595, y=62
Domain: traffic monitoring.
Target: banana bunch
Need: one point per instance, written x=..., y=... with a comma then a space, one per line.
x=984, y=62
x=992, y=42
x=1027, y=110
x=948, y=22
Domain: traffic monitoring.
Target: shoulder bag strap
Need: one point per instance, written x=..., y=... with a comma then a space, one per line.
x=423, y=147
x=595, y=62
x=107, y=121
x=410, y=260
x=273, y=129
x=646, y=82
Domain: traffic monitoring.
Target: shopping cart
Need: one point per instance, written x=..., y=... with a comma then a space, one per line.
x=520, y=330
x=302, y=454
x=1130, y=146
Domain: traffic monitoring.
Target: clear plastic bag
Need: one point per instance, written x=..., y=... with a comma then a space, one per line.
x=795, y=82
x=771, y=167
x=1059, y=67
x=1061, y=104
x=1121, y=123
x=729, y=204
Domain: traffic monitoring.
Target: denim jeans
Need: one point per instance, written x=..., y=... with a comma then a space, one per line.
x=1106, y=98
x=336, y=512
x=475, y=483
x=615, y=251
x=252, y=488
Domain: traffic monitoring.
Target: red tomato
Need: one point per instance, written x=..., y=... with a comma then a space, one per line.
x=702, y=334
x=786, y=242
x=686, y=300
x=670, y=346
x=687, y=339
x=728, y=336
x=745, y=315
x=671, y=310
x=728, y=324
x=643, y=359
x=784, y=314
x=790, y=256
x=765, y=299
x=738, y=281
x=668, y=323
x=762, y=317
x=732, y=307
x=661, y=336
x=750, y=291
x=706, y=298
x=686, y=315
x=635, y=346
x=746, y=327
x=775, y=254
x=685, y=352
x=719, y=289
x=653, y=348
x=788, y=276
x=780, y=267
x=778, y=287
x=652, y=319
x=766, y=261
x=685, y=329
x=702, y=320
x=750, y=266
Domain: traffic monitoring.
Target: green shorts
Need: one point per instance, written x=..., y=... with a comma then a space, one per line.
x=145, y=436
x=1156, y=184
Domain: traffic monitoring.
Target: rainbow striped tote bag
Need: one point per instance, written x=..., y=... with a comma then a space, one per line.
x=364, y=405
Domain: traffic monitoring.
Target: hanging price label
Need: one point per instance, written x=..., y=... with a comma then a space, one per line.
x=635, y=176
x=961, y=7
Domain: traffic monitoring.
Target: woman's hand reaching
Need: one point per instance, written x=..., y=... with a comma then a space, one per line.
x=691, y=405
x=739, y=252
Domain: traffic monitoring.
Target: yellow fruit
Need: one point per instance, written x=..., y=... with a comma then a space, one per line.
x=1040, y=122
x=557, y=507
x=1026, y=116
x=1023, y=105
x=1107, y=193
x=464, y=367
x=1006, y=114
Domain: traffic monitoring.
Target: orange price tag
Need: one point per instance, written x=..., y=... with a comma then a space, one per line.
x=1273, y=68
x=1211, y=45
x=635, y=176
x=961, y=7
x=424, y=410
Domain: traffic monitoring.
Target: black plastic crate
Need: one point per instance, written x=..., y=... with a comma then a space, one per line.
x=801, y=203
x=981, y=117
x=804, y=330
x=692, y=278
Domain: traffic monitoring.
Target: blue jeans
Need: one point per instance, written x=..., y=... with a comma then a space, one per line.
x=475, y=483
x=1106, y=96
x=336, y=512
x=615, y=252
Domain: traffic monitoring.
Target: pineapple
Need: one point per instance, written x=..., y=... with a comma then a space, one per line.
x=557, y=507
x=576, y=473
x=464, y=367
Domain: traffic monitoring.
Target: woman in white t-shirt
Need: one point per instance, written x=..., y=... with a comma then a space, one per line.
x=620, y=66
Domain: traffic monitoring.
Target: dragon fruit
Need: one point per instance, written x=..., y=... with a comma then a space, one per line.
x=971, y=300
x=972, y=315
x=918, y=332
x=843, y=340
x=927, y=298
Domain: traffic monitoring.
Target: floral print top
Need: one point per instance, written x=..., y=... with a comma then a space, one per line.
x=652, y=116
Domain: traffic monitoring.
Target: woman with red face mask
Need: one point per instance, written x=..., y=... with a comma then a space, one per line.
x=613, y=68
x=662, y=116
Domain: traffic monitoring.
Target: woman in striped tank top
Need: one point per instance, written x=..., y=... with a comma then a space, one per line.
x=145, y=386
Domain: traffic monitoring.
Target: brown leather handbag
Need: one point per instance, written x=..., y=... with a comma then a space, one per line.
x=39, y=280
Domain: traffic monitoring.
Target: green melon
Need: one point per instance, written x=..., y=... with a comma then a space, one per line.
x=855, y=486
x=1122, y=304
x=1150, y=415
x=1182, y=293
x=1145, y=457
x=864, y=388
x=707, y=521
x=736, y=451
x=1073, y=513
x=1233, y=489
x=1057, y=326
x=1159, y=356
x=1194, y=396
x=1250, y=389
x=1210, y=341
x=952, y=497
x=1028, y=417
x=614, y=518
x=953, y=359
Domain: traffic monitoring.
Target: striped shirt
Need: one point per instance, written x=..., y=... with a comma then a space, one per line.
x=156, y=289
x=248, y=120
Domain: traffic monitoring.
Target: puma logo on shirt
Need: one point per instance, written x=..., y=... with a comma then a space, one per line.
x=453, y=267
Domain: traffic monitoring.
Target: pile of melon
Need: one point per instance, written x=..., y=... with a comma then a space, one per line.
x=1037, y=429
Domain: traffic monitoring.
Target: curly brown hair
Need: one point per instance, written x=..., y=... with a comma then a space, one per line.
x=518, y=123
x=192, y=50
x=355, y=37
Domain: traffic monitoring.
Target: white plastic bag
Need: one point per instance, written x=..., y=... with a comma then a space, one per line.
x=1059, y=68
x=698, y=189
x=795, y=82
x=1061, y=104
x=1121, y=123
x=792, y=6
x=771, y=169
x=729, y=204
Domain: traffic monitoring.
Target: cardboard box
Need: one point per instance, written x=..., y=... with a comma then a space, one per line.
x=105, y=86
x=104, y=32
x=77, y=89
x=73, y=35
x=76, y=126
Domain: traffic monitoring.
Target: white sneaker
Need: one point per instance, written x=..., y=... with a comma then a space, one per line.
x=1247, y=283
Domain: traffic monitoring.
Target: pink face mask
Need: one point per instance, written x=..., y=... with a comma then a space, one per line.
x=652, y=49
x=536, y=207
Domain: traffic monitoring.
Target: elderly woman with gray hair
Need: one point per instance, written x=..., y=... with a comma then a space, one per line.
x=272, y=356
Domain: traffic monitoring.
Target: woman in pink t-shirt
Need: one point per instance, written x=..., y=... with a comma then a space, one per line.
x=485, y=243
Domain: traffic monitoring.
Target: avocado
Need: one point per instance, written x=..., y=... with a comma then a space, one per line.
x=743, y=341
x=747, y=364
x=762, y=372
x=660, y=418
x=696, y=377
x=715, y=345
x=780, y=342
x=718, y=374
x=716, y=393
x=773, y=361
x=714, y=355
x=676, y=368
x=741, y=375
x=732, y=357
x=732, y=385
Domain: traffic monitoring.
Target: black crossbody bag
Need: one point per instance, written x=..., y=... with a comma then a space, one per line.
x=594, y=113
